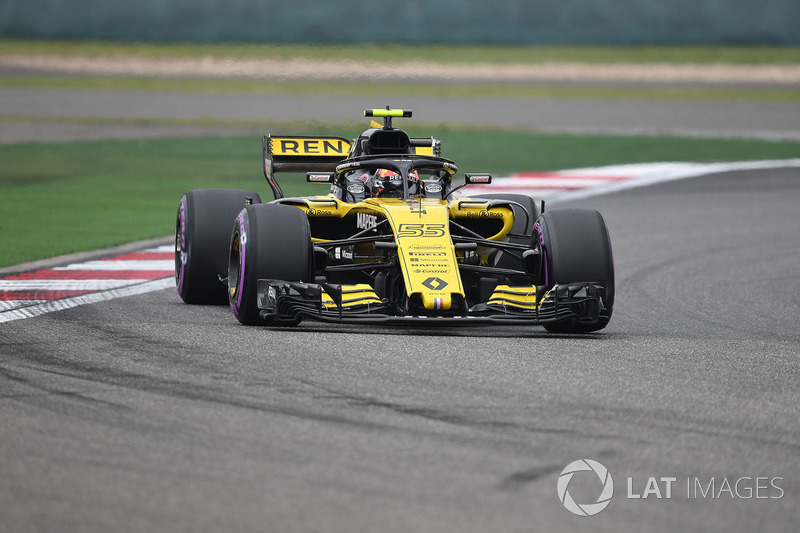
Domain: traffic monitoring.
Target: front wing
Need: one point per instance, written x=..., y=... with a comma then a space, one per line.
x=282, y=301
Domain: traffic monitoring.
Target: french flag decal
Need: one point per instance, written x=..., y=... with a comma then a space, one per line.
x=438, y=303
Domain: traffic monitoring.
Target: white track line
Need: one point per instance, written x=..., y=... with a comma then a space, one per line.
x=639, y=175
x=95, y=297
x=653, y=173
x=156, y=264
x=13, y=304
x=65, y=284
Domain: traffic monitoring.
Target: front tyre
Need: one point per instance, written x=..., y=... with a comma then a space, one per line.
x=269, y=241
x=202, y=235
x=576, y=247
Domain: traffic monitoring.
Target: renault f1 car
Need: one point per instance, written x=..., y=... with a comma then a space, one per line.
x=394, y=241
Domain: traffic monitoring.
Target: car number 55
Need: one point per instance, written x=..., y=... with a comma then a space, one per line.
x=420, y=230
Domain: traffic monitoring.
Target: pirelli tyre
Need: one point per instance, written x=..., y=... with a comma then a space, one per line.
x=202, y=236
x=269, y=241
x=522, y=228
x=576, y=247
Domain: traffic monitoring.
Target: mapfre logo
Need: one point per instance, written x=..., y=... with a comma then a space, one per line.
x=589, y=466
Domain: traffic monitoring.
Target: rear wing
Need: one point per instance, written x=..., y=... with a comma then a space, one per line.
x=301, y=154
x=310, y=153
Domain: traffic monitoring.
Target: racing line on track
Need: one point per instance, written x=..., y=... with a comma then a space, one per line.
x=31, y=294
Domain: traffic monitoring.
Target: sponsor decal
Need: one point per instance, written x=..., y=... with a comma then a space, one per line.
x=366, y=221
x=180, y=246
x=425, y=247
x=343, y=253
x=301, y=146
x=429, y=262
x=435, y=284
x=355, y=188
x=427, y=254
x=183, y=224
x=347, y=166
x=312, y=212
x=483, y=214
x=319, y=178
x=537, y=229
x=433, y=188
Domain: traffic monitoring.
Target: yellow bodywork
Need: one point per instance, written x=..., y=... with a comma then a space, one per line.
x=426, y=252
x=421, y=228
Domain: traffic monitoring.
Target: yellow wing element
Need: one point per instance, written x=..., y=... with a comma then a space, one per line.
x=309, y=146
x=519, y=297
x=353, y=296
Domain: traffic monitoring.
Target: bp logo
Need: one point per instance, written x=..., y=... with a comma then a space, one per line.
x=585, y=509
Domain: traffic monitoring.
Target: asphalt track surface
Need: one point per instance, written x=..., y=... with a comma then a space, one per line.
x=768, y=120
x=145, y=414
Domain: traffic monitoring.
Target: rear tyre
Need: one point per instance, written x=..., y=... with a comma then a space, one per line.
x=577, y=247
x=269, y=241
x=522, y=227
x=202, y=235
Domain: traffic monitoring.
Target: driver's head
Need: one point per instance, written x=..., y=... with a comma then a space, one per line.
x=389, y=184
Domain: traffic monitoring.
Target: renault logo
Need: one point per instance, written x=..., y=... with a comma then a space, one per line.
x=435, y=284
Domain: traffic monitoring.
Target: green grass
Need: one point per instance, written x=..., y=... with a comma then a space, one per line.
x=62, y=198
x=449, y=54
x=437, y=53
x=403, y=89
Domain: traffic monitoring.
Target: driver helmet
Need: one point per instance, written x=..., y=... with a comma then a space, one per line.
x=389, y=184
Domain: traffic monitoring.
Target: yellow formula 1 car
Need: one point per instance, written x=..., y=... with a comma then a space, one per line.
x=393, y=242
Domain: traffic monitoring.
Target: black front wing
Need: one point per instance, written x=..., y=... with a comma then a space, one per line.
x=282, y=301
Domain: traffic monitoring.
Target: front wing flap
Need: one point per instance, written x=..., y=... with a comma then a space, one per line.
x=286, y=301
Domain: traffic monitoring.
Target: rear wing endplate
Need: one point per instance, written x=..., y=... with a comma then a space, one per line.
x=301, y=154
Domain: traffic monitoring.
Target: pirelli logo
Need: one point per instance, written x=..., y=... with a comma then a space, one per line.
x=309, y=146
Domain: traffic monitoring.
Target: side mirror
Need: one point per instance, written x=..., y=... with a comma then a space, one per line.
x=476, y=179
x=320, y=177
